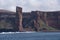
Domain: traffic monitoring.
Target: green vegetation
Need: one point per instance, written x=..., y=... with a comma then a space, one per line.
x=5, y=25
x=44, y=26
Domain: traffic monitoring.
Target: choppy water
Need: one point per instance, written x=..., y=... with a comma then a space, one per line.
x=31, y=36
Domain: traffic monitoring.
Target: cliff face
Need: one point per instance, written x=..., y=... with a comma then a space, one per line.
x=35, y=20
x=51, y=19
x=7, y=21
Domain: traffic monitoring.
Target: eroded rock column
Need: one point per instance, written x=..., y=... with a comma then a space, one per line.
x=19, y=12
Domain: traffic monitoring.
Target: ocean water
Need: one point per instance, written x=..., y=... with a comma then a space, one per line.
x=30, y=36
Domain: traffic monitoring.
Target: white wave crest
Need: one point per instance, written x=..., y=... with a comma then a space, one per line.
x=16, y=32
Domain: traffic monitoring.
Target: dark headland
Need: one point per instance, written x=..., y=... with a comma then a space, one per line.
x=29, y=21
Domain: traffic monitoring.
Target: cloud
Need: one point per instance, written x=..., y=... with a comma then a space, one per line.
x=29, y=5
x=50, y=5
x=12, y=8
x=8, y=5
x=43, y=5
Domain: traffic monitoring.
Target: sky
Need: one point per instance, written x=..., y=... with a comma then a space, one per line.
x=8, y=5
x=31, y=5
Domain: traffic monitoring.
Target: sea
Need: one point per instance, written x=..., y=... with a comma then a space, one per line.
x=30, y=36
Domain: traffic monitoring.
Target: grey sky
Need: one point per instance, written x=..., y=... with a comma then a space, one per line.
x=8, y=5
x=42, y=5
x=29, y=5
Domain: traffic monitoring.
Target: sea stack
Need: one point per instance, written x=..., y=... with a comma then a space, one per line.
x=19, y=12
